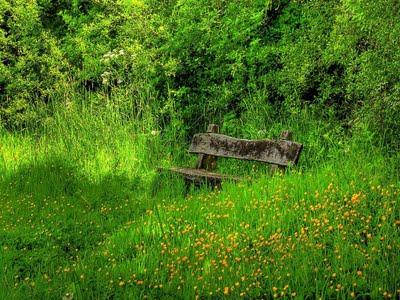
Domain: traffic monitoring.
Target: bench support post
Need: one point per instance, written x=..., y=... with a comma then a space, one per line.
x=208, y=162
x=287, y=136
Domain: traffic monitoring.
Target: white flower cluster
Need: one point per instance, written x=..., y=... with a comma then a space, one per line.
x=110, y=55
x=105, y=77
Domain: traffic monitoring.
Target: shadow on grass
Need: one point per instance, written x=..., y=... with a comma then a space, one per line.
x=52, y=213
x=58, y=177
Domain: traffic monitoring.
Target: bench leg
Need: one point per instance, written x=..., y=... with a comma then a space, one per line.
x=275, y=169
x=213, y=184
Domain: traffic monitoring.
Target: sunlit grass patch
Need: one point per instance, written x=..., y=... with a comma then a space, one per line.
x=105, y=224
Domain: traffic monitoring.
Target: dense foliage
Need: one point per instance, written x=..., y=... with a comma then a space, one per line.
x=96, y=94
x=191, y=62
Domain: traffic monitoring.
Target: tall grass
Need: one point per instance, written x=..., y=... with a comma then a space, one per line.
x=80, y=217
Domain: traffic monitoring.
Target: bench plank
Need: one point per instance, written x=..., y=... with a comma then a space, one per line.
x=200, y=173
x=280, y=152
x=200, y=176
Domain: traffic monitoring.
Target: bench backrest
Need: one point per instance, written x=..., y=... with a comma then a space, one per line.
x=281, y=152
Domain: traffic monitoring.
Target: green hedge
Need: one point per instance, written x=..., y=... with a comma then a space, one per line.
x=190, y=62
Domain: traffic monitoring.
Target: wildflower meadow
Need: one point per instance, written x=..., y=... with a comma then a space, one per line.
x=96, y=97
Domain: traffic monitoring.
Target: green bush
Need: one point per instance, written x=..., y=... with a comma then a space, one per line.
x=188, y=63
x=33, y=68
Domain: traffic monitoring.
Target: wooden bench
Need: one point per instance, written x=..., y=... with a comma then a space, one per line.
x=210, y=145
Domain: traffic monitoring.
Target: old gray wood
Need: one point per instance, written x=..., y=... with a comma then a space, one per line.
x=200, y=176
x=208, y=162
x=288, y=136
x=202, y=173
x=280, y=152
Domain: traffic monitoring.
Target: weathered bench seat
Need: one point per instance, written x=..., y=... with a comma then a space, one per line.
x=210, y=145
x=199, y=175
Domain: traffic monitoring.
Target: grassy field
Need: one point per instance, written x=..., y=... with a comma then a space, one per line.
x=83, y=215
x=96, y=95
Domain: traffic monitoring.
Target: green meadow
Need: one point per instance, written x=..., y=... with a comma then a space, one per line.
x=96, y=95
x=84, y=215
